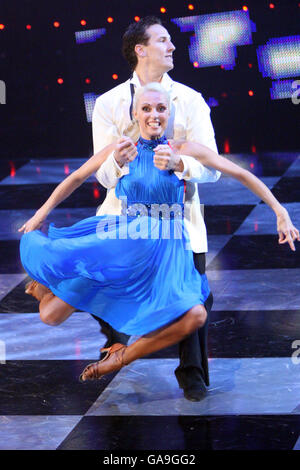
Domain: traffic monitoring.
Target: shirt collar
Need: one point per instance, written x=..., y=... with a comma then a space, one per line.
x=166, y=82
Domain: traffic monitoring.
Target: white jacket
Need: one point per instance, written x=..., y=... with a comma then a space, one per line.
x=111, y=120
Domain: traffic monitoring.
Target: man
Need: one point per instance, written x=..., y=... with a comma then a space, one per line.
x=149, y=51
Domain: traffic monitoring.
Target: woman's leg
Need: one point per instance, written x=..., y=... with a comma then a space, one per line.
x=53, y=310
x=121, y=355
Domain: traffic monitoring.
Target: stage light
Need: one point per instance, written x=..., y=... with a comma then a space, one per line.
x=83, y=22
x=89, y=103
x=280, y=57
x=2, y=26
x=191, y=7
x=251, y=165
x=212, y=102
x=253, y=149
x=56, y=24
x=89, y=35
x=250, y=66
x=163, y=10
x=96, y=192
x=250, y=93
x=110, y=19
x=60, y=81
x=88, y=81
x=272, y=6
x=137, y=18
x=226, y=146
x=28, y=26
x=216, y=37
x=115, y=76
x=245, y=8
x=282, y=90
x=66, y=169
x=224, y=94
x=12, y=169
x=196, y=64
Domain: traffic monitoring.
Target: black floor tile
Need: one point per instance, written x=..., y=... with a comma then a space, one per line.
x=16, y=301
x=29, y=196
x=9, y=167
x=287, y=190
x=255, y=252
x=47, y=388
x=270, y=163
x=10, y=262
x=253, y=333
x=184, y=433
x=225, y=220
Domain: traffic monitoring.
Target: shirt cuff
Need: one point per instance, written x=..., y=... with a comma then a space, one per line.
x=120, y=171
x=185, y=173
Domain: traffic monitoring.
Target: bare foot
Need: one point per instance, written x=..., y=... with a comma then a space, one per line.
x=36, y=289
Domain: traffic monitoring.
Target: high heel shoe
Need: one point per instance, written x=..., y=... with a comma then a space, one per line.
x=113, y=361
x=36, y=289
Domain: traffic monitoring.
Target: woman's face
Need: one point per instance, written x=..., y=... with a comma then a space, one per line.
x=152, y=114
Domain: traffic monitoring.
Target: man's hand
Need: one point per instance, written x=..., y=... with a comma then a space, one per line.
x=125, y=151
x=165, y=159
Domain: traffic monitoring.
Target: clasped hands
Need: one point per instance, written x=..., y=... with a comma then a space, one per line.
x=164, y=157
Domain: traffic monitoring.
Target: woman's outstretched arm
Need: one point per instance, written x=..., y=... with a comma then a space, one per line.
x=67, y=187
x=286, y=230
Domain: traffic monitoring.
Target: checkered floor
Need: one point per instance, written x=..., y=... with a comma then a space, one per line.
x=253, y=401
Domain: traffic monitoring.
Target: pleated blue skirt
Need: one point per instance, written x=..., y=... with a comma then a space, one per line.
x=135, y=273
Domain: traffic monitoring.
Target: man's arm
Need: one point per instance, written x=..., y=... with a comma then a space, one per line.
x=105, y=132
x=199, y=129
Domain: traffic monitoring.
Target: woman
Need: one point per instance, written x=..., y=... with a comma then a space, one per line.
x=122, y=264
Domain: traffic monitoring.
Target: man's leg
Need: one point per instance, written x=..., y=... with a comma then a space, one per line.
x=163, y=337
x=192, y=372
x=112, y=336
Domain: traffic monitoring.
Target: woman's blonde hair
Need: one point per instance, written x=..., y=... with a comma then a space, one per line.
x=154, y=86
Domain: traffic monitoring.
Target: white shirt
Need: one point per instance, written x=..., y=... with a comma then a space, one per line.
x=111, y=120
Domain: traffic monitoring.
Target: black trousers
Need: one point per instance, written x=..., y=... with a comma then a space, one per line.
x=193, y=365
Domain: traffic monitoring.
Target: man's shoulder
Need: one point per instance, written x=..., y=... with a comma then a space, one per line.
x=186, y=91
x=114, y=93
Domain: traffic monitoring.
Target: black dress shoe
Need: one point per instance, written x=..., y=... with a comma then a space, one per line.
x=195, y=394
x=192, y=384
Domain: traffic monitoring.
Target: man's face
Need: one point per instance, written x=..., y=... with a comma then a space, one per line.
x=152, y=114
x=159, y=50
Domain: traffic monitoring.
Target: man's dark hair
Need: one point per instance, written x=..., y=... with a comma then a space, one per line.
x=136, y=33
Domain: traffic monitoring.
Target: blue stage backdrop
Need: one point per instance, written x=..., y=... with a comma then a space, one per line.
x=56, y=57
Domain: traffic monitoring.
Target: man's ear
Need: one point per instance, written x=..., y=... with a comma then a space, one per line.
x=140, y=50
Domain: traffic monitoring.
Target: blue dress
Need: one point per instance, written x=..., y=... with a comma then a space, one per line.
x=133, y=270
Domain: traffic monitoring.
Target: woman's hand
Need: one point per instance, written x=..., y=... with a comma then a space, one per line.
x=286, y=230
x=32, y=224
x=165, y=159
x=125, y=151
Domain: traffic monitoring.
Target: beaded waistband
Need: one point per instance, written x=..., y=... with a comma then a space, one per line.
x=158, y=211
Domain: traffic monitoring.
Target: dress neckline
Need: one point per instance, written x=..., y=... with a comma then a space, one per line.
x=151, y=144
